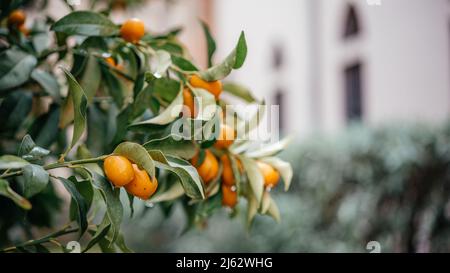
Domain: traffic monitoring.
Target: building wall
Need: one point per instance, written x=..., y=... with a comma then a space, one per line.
x=403, y=47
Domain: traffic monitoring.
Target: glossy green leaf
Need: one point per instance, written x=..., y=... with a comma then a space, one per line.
x=160, y=63
x=26, y=145
x=91, y=78
x=79, y=100
x=114, y=208
x=12, y=162
x=239, y=91
x=80, y=202
x=175, y=191
x=166, y=89
x=167, y=115
x=254, y=175
x=138, y=154
x=102, y=230
x=84, y=187
x=274, y=211
x=35, y=180
x=86, y=23
x=47, y=81
x=252, y=209
x=172, y=145
x=5, y=190
x=210, y=43
x=233, y=61
x=114, y=86
x=186, y=173
x=270, y=149
x=183, y=64
x=15, y=68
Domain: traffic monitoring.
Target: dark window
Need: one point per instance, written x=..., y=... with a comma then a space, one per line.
x=277, y=57
x=279, y=100
x=351, y=27
x=353, y=93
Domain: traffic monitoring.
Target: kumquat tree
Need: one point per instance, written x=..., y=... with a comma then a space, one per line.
x=103, y=110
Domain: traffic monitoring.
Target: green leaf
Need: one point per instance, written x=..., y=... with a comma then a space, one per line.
x=206, y=102
x=15, y=68
x=79, y=100
x=186, y=173
x=80, y=204
x=44, y=129
x=167, y=115
x=35, y=179
x=47, y=81
x=92, y=78
x=270, y=149
x=161, y=62
x=6, y=191
x=138, y=155
x=26, y=145
x=253, y=205
x=120, y=243
x=84, y=187
x=233, y=61
x=166, y=89
x=265, y=202
x=254, y=175
x=175, y=191
x=241, y=52
x=102, y=230
x=274, y=211
x=131, y=203
x=211, y=44
x=85, y=23
x=239, y=91
x=172, y=145
x=114, y=86
x=114, y=208
x=283, y=167
x=14, y=109
x=142, y=101
x=12, y=162
x=183, y=64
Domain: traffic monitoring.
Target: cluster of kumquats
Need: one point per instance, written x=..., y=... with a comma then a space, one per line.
x=16, y=20
x=121, y=172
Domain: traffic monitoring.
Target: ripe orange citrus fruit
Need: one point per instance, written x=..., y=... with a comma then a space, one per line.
x=110, y=61
x=189, y=103
x=141, y=186
x=16, y=18
x=229, y=196
x=226, y=137
x=209, y=168
x=227, y=171
x=132, y=30
x=271, y=176
x=119, y=170
x=214, y=87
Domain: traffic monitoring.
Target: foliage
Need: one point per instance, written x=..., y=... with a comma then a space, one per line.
x=73, y=92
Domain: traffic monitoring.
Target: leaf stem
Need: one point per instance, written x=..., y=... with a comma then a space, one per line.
x=50, y=237
x=56, y=165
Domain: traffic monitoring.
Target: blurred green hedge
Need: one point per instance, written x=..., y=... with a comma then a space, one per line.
x=388, y=184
